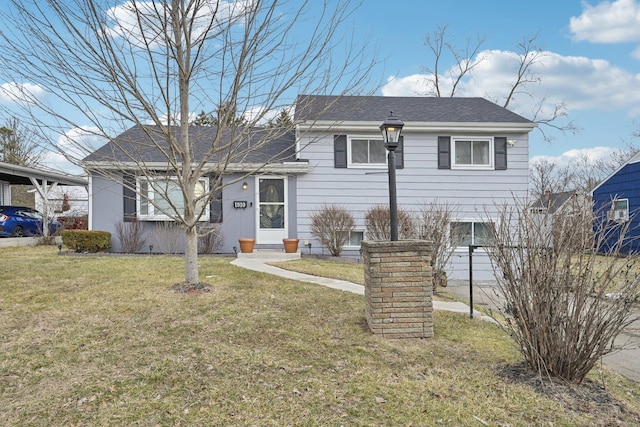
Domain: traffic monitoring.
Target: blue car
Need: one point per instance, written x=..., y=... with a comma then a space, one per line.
x=19, y=221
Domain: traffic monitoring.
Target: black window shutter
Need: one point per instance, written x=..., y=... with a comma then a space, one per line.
x=129, y=198
x=215, y=207
x=400, y=153
x=444, y=152
x=340, y=151
x=500, y=147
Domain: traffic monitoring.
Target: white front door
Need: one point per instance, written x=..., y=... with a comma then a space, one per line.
x=272, y=209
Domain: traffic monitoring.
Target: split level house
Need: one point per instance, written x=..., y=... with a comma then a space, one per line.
x=468, y=153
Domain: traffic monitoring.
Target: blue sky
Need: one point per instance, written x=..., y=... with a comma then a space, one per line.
x=591, y=61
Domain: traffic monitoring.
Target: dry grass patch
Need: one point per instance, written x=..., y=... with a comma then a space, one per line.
x=338, y=268
x=102, y=341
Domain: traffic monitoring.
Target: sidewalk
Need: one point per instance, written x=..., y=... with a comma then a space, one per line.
x=258, y=261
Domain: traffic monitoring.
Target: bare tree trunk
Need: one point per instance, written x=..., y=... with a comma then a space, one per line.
x=191, y=256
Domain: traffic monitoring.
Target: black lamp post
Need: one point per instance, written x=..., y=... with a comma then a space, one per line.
x=391, y=129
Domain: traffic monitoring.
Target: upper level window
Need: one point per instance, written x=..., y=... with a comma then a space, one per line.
x=473, y=153
x=367, y=152
x=160, y=197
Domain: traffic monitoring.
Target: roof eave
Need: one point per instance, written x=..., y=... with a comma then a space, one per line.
x=285, y=167
x=38, y=174
x=369, y=126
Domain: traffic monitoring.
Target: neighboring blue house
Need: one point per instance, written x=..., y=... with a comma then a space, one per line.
x=616, y=201
x=466, y=152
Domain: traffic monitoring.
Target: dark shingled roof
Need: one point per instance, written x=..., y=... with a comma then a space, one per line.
x=554, y=202
x=407, y=109
x=141, y=143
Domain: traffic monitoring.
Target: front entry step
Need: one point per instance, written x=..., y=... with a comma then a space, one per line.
x=269, y=254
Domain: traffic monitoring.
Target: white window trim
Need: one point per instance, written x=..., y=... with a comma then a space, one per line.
x=620, y=215
x=357, y=230
x=492, y=155
x=465, y=248
x=152, y=216
x=365, y=165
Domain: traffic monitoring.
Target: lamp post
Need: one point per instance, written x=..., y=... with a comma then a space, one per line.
x=391, y=129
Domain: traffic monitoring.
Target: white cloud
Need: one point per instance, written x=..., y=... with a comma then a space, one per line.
x=57, y=162
x=608, y=22
x=144, y=24
x=73, y=146
x=20, y=93
x=581, y=82
x=592, y=155
x=413, y=85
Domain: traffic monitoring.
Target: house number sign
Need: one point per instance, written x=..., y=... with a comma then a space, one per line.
x=240, y=204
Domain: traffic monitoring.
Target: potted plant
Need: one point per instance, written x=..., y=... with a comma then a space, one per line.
x=246, y=245
x=290, y=245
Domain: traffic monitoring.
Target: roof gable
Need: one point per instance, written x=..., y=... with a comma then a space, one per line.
x=553, y=201
x=632, y=160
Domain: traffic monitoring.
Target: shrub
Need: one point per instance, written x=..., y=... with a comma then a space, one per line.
x=378, y=224
x=87, y=241
x=433, y=224
x=210, y=237
x=167, y=235
x=564, y=302
x=131, y=236
x=74, y=222
x=332, y=225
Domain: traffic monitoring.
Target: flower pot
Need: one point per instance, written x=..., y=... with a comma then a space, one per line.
x=290, y=245
x=246, y=245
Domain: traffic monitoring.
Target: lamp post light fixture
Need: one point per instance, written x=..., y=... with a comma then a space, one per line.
x=391, y=129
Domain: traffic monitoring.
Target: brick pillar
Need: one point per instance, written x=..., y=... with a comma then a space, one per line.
x=398, y=288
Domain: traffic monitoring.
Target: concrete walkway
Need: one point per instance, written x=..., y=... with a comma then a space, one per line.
x=258, y=261
x=626, y=361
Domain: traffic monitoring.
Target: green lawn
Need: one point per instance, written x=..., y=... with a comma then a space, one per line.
x=102, y=341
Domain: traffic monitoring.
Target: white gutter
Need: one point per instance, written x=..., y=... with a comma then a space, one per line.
x=456, y=127
x=287, y=167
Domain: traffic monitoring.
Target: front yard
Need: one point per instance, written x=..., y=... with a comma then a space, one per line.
x=102, y=341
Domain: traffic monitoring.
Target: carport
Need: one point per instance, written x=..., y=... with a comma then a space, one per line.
x=44, y=181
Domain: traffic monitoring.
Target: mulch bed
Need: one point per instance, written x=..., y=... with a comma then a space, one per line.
x=588, y=397
x=190, y=288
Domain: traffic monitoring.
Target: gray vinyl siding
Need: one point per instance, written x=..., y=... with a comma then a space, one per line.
x=476, y=193
x=108, y=210
x=5, y=193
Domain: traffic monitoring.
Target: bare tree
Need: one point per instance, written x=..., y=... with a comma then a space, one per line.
x=565, y=300
x=19, y=145
x=447, y=83
x=465, y=58
x=547, y=175
x=144, y=63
